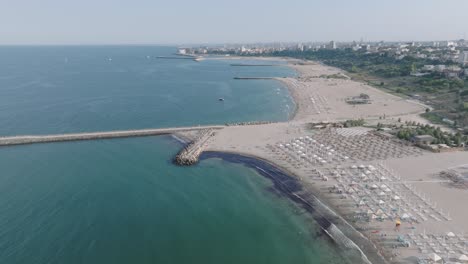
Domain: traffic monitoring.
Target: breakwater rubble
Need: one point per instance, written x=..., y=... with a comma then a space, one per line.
x=190, y=154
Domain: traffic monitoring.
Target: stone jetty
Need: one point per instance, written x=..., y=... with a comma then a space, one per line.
x=190, y=154
x=21, y=140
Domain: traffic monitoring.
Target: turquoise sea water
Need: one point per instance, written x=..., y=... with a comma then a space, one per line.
x=122, y=200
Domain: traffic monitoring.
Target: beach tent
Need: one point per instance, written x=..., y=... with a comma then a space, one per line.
x=463, y=258
x=434, y=257
x=450, y=234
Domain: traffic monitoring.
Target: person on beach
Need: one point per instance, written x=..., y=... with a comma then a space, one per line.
x=397, y=225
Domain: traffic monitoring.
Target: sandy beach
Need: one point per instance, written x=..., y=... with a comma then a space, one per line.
x=369, y=180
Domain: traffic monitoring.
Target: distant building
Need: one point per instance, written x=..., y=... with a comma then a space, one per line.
x=463, y=58
x=439, y=68
x=331, y=45
x=423, y=139
x=428, y=67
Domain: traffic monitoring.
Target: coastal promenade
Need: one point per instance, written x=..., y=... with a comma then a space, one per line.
x=31, y=139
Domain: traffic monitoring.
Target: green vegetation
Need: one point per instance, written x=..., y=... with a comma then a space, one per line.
x=354, y=123
x=413, y=129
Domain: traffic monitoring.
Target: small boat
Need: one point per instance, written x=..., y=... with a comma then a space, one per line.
x=221, y=99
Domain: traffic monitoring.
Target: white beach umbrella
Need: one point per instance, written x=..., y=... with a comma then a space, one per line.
x=373, y=216
x=354, y=167
x=363, y=175
x=381, y=202
x=370, y=211
x=381, y=194
x=383, y=178
x=367, y=172
x=463, y=258
x=434, y=257
x=362, y=166
x=374, y=186
x=387, y=190
x=383, y=186
x=405, y=216
x=346, y=157
x=450, y=234
x=396, y=198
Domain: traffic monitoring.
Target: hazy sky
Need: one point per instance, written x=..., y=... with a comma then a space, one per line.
x=218, y=21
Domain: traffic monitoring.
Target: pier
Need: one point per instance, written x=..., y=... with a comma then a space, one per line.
x=33, y=139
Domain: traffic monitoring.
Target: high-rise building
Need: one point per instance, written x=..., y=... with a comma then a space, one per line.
x=463, y=58
x=331, y=45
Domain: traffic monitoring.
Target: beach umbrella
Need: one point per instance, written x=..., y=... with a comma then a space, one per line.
x=363, y=175
x=367, y=172
x=354, y=167
x=396, y=198
x=373, y=216
x=450, y=234
x=383, y=186
x=362, y=202
x=362, y=166
x=383, y=178
x=387, y=190
x=381, y=202
x=463, y=258
x=381, y=194
x=379, y=212
x=405, y=216
x=346, y=157
x=434, y=257
x=370, y=212
x=374, y=186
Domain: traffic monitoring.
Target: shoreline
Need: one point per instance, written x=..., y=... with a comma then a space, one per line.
x=341, y=232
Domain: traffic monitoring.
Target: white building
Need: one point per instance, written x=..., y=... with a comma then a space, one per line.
x=463, y=58
x=428, y=67
x=439, y=68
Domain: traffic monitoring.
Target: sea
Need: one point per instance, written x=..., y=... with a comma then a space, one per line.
x=123, y=200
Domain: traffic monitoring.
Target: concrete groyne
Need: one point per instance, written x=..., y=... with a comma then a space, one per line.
x=254, y=78
x=32, y=139
x=190, y=154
